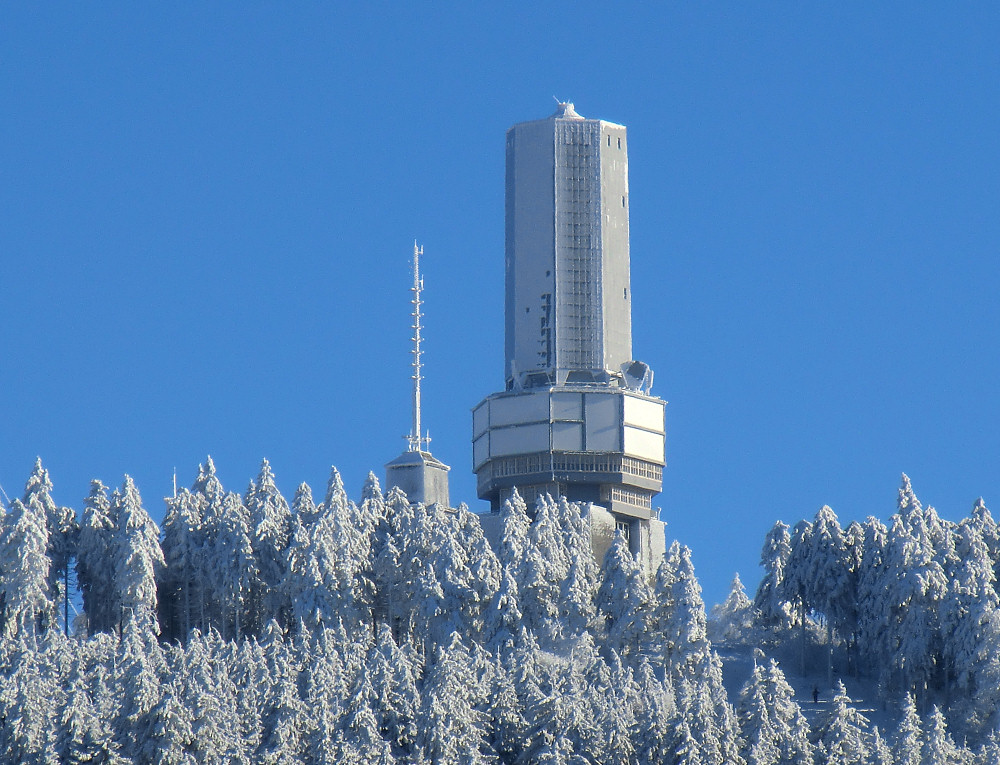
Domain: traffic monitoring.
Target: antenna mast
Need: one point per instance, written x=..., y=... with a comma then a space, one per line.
x=417, y=441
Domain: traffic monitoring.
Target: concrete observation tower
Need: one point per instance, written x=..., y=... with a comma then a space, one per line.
x=576, y=417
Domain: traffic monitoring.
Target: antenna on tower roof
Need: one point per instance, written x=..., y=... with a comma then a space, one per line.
x=417, y=440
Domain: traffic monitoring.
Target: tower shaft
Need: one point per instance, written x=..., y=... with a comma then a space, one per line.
x=576, y=417
x=567, y=302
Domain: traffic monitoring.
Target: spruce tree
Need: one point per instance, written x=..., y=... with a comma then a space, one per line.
x=624, y=600
x=395, y=700
x=138, y=559
x=236, y=567
x=795, y=584
x=770, y=603
x=325, y=697
x=686, y=647
x=907, y=746
x=983, y=521
x=881, y=751
x=170, y=740
x=509, y=727
x=545, y=566
x=842, y=735
x=655, y=718
x=502, y=617
x=514, y=535
x=827, y=580
x=484, y=572
x=772, y=725
x=359, y=737
x=577, y=610
x=939, y=748
x=82, y=735
x=181, y=587
x=61, y=532
x=94, y=571
x=24, y=573
x=872, y=595
x=138, y=671
x=452, y=726
x=269, y=516
x=970, y=618
x=284, y=730
x=29, y=700
x=212, y=571
x=732, y=620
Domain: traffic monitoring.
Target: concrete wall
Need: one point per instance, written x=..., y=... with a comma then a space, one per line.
x=647, y=539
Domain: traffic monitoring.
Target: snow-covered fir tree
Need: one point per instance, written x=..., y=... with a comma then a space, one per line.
x=382, y=631
x=773, y=727
x=732, y=620
x=95, y=573
x=842, y=737
x=61, y=532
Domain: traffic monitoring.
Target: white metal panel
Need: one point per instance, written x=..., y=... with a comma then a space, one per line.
x=480, y=450
x=480, y=419
x=643, y=444
x=567, y=406
x=524, y=407
x=643, y=413
x=603, y=424
x=522, y=439
x=567, y=436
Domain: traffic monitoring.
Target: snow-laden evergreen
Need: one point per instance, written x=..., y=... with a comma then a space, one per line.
x=257, y=630
x=773, y=727
x=732, y=619
x=911, y=605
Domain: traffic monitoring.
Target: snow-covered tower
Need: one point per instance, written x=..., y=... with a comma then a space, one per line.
x=576, y=417
x=416, y=471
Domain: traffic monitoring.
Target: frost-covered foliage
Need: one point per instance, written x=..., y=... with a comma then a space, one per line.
x=912, y=605
x=772, y=725
x=253, y=629
x=732, y=620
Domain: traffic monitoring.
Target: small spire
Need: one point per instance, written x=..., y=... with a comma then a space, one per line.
x=565, y=110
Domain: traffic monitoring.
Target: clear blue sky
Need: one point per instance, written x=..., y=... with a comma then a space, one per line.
x=207, y=211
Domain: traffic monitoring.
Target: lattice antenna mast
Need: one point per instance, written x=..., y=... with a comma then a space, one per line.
x=417, y=441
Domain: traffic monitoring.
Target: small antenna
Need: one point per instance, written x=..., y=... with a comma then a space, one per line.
x=175, y=483
x=4, y=495
x=416, y=439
